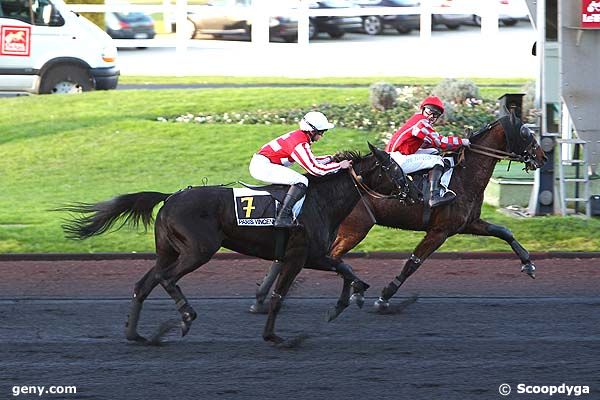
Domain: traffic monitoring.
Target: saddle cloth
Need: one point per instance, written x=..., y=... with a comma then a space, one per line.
x=445, y=181
x=259, y=207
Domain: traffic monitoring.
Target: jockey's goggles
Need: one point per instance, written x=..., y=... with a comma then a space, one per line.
x=436, y=113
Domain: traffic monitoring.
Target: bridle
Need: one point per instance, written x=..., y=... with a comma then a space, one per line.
x=359, y=183
x=521, y=146
x=399, y=193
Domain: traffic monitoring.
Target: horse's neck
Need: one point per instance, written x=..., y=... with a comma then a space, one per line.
x=335, y=198
x=478, y=168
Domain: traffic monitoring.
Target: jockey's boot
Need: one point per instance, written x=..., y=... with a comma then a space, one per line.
x=295, y=193
x=436, y=200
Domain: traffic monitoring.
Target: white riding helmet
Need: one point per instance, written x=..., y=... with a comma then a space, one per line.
x=315, y=121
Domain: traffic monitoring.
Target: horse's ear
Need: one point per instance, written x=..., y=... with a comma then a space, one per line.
x=372, y=148
x=376, y=152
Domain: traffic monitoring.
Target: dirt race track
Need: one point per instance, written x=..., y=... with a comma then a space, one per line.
x=476, y=324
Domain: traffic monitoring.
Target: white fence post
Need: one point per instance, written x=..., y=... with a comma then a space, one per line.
x=167, y=16
x=180, y=36
x=303, y=23
x=489, y=18
x=260, y=23
x=425, y=29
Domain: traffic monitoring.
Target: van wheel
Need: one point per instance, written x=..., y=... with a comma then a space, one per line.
x=66, y=79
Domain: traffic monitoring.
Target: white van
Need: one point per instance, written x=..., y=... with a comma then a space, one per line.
x=46, y=48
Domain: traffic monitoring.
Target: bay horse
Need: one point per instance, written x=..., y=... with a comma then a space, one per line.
x=505, y=138
x=194, y=223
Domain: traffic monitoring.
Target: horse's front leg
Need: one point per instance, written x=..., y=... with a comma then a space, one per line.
x=484, y=228
x=430, y=243
x=294, y=261
x=351, y=281
x=259, y=306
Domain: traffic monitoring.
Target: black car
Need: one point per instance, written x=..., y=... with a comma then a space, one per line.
x=132, y=25
x=286, y=28
x=333, y=26
x=375, y=24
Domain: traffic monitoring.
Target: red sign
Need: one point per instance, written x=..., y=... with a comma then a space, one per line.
x=590, y=14
x=16, y=40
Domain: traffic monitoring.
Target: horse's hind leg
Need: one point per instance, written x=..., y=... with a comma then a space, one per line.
x=484, y=228
x=140, y=292
x=199, y=248
x=430, y=243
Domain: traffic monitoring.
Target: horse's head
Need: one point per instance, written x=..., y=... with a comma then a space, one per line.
x=379, y=176
x=513, y=138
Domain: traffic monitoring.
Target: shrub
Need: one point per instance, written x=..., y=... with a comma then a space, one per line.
x=529, y=112
x=382, y=96
x=457, y=91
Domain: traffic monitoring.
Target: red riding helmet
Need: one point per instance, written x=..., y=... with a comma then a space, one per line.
x=433, y=101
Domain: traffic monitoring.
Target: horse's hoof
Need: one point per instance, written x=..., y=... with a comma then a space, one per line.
x=529, y=268
x=381, y=304
x=334, y=313
x=273, y=338
x=358, y=298
x=259, y=308
x=185, y=327
x=134, y=337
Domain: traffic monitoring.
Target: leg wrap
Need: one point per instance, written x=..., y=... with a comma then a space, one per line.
x=506, y=235
x=411, y=266
x=500, y=232
x=520, y=251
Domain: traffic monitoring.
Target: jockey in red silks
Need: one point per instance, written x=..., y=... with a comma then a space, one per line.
x=416, y=146
x=271, y=162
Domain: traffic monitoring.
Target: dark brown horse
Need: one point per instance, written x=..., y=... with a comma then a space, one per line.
x=194, y=223
x=505, y=138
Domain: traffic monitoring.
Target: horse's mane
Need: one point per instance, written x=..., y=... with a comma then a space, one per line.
x=352, y=155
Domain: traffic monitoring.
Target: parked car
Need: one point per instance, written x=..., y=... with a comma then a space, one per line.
x=129, y=25
x=510, y=12
x=335, y=27
x=282, y=27
x=375, y=24
x=220, y=26
x=452, y=21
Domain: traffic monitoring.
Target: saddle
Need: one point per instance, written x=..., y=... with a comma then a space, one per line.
x=259, y=205
x=275, y=190
x=419, y=180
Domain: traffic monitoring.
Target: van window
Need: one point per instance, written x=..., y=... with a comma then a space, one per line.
x=35, y=12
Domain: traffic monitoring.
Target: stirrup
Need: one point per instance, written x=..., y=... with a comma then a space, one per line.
x=438, y=201
x=284, y=222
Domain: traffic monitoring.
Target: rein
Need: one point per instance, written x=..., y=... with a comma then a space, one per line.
x=358, y=183
x=494, y=153
x=491, y=152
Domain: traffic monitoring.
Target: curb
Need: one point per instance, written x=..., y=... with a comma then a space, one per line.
x=379, y=255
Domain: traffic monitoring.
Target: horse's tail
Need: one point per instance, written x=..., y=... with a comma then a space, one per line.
x=97, y=218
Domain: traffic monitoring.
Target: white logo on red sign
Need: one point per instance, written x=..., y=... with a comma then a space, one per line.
x=590, y=14
x=16, y=40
